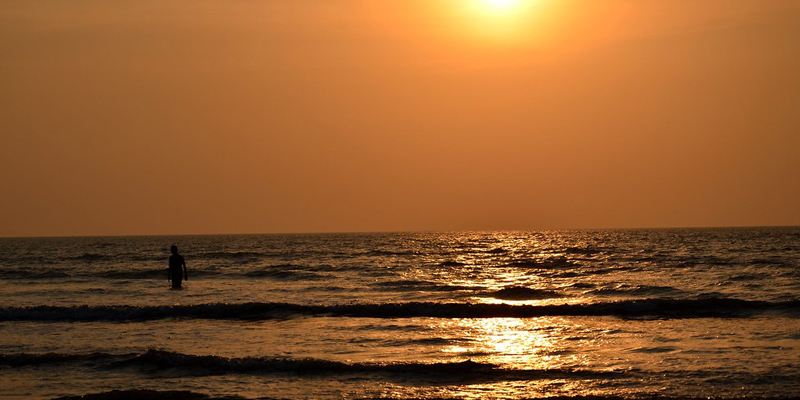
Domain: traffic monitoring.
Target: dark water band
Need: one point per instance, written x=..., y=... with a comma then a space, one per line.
x=645, y=308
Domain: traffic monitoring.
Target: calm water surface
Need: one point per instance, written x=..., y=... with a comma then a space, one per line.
x=633, y=313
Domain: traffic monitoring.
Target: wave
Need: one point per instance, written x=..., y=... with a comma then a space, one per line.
x=33, y=360
x=585, y=251
x=195, y=365
x=18, y=260
x=746, y=277
x=155, y=273
x=646, y=308
x=230, y=255
x=189, y=395
x=83, y=259
x=45, y=274
x=523, y=293
x=34, y=274
x=413, y=285
x=547, y=263
x=379, y=253
x=160, y=258
x=236, y=257
x=91, y=257
x=451, y=264
x=276, y=272
x=635, y=290
x=147, y=394
x=279, y=275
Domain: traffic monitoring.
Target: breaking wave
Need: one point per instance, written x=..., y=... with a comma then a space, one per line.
x=646, y=308
x=523, y=293
x=636, y=290
x=161, y=360
x=147, y=394
x=189, y=395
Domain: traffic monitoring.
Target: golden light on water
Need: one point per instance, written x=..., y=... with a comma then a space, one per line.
x=514, y=342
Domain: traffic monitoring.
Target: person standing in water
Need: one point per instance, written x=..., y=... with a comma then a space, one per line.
x=176, y=265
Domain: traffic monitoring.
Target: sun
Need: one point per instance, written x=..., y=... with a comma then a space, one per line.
x=502, y=22
x=500, y=7
x=501, y=3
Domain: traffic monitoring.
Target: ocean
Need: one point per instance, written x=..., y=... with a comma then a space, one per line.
x=669, y=313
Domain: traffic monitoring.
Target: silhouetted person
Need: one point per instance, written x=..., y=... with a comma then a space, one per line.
x=177, y=268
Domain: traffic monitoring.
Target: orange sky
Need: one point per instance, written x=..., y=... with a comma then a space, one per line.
x=245, y=116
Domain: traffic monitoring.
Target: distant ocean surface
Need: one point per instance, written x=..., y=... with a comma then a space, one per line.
x=675, y=313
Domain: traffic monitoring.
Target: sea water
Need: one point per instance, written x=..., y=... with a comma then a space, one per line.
x=507, y=315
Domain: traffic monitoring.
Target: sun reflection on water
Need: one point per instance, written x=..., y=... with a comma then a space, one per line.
x=535, y=344
x=511, y=342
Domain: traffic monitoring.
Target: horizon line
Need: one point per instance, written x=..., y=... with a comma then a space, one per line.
x=365, y=232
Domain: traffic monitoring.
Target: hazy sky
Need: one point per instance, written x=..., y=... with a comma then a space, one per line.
x=245, y=116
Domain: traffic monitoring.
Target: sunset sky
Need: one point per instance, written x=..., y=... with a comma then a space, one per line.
x=250, y=116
